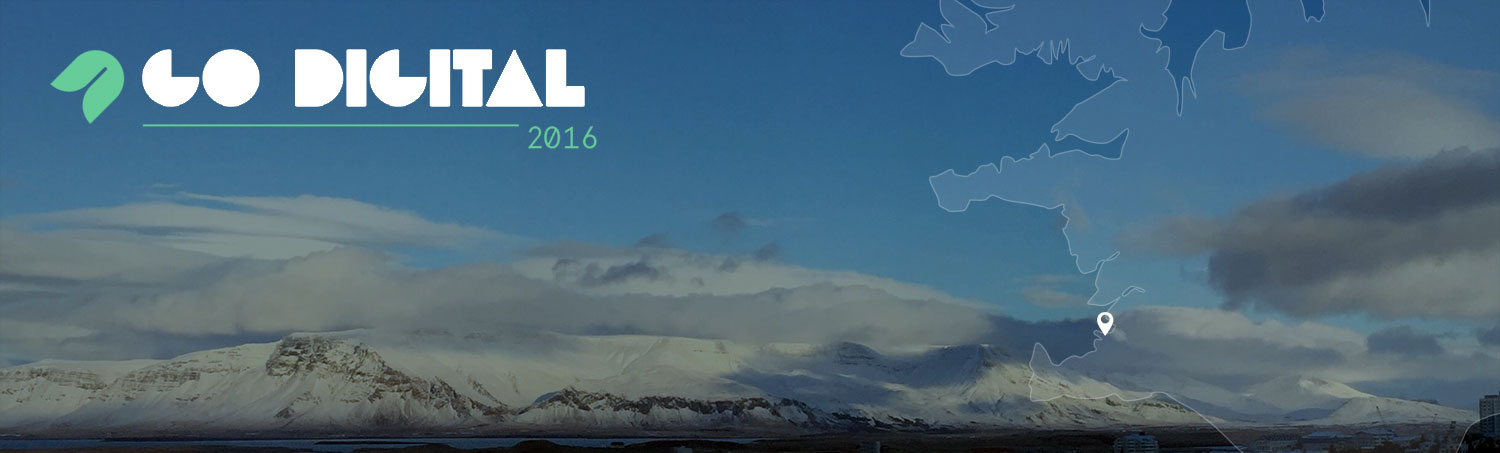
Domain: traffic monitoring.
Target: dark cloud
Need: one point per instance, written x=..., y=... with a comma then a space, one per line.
x=729, y=224
x=1403, y=340
x=729, y=265
x=593, y=274
x=1451, y=181
x=767, y=252
x=654, y=240
x=1488, y=335
x=1414, y=240
x=636, y=269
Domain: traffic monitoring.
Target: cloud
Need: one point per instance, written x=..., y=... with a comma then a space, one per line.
x=1047, y=297
x=591, y=274
x=351, y=288
x=1409, y=240
x=728, y=224
x=767, y=252
x=108, y=294
x=654, y=240
x=1229, y=349
x=684, y=273
x=731, y=223
x=1058, y=290
x=1383, y=104
x=265, y=227
x=116, y=285
x=1403, y=340
x=1175, y=236
x=1489, y=336
x=91, y=255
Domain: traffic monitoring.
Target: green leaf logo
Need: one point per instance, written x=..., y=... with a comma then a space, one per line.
x=82, y=70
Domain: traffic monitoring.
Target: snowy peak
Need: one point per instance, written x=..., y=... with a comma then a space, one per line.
x=310, y=353
x=362, y=380
x=428, y=381
x=303, y=382
x=1394, y=411
x=574, y=407
x=1292, y=393
x=40, y=392
x=1301, y=400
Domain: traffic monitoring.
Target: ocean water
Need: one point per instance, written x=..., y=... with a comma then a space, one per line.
x=343, y=445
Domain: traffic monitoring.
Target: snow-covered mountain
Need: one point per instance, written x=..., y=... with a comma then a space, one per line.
x=545, y=382
x=1303, y=400
x=435, y=381
x=1394, y=410
x=1290, y=393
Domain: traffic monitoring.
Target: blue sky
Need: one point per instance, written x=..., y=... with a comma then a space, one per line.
x=808, y=119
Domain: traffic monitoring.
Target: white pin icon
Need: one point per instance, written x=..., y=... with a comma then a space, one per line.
x=1105, y=321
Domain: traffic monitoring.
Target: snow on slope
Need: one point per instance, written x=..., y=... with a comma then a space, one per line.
x=1296, y=400
x=303, y=382
x=436, y=381
x=1290, y=393
x=1393, y=410
x=42, y=391
x=1203, y=397
x=364, y=380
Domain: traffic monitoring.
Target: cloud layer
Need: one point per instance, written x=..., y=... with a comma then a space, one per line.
x=264, y=227
x=1411, y=240
x=1388, y=105
x=114, y=293
x=121, y=278
x=1157, y=345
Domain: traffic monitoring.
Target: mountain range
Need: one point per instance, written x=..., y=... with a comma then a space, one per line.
x=538, y=382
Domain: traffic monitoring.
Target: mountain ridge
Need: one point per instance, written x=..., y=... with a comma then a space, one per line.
x=361, y=381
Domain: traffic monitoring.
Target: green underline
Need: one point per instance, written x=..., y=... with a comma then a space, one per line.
x=329, y=125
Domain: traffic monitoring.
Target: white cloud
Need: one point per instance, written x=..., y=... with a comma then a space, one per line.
x=677, y=272
x=1228, y=348
x=107, y=294
x=1386, y=104
x=132, y=278
x=352, y=288
x=266, y=227
x=90, y=255
x=1058, y=290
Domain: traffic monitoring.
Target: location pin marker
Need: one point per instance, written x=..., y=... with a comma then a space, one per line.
x=1105, y=321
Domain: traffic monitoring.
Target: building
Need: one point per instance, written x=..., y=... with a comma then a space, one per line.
x=1488, y=407
x=1321, y=440
x=1278, y=442
x=1407, y=442
x=1373, y=437
x=1136, y=443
